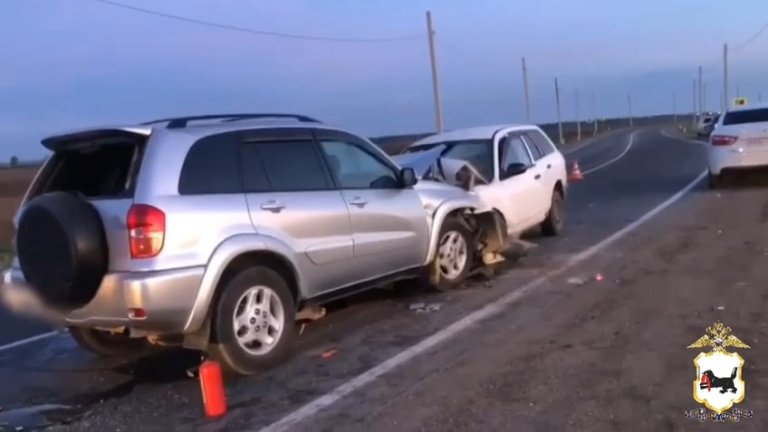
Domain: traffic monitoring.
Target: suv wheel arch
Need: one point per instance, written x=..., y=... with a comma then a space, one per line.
x=198, y=339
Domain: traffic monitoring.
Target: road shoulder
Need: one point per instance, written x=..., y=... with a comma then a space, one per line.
x=608, y=355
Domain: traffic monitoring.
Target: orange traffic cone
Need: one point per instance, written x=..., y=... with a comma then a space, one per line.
x=575, y=174
x=212, y=385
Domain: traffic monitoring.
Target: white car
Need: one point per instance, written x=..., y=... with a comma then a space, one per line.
x=739, y=141
x=522, y=173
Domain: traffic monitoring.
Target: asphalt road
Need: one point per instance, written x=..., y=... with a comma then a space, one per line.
x=605, y=355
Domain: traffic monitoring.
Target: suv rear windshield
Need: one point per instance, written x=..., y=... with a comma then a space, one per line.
x=95, y=171
x=746, y=116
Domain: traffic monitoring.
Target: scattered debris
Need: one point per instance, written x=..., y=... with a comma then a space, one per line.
x=599, y=277
x=301, y=329
x=576, y=281
x=425, y=308
x=311, y=313
x=329, y=354
x=720, y=308
x=192, y=372
x=430, y=308
x=719, y=231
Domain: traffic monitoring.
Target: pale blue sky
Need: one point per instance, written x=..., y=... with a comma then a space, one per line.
x=72, y=63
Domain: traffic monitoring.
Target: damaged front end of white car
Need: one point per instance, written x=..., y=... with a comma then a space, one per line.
x=445, y=187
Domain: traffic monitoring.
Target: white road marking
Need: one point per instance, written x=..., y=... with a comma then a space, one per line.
x=29, y=340
x=624, y=153
x=323, y=402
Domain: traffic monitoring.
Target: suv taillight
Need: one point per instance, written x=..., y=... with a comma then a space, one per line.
x=146, y=230
x=723, y=140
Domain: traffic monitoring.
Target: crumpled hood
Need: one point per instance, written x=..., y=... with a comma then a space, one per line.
x=428, y=165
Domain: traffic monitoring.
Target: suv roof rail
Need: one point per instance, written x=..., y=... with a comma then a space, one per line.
x=181, y=122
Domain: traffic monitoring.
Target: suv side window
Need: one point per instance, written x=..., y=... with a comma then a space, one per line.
x=211, y=166
x=541, y=141
x=355, y=168
x=283, y=166
x=513, y=150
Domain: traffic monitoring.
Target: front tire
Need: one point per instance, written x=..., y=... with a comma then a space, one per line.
x=555, y=221
x=454, y=257
x=109, y=344
x=253, y=322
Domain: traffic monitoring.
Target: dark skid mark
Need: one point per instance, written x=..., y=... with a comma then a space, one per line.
x=164, y=367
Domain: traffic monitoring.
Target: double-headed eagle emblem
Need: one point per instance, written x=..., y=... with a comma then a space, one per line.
x=718, y=337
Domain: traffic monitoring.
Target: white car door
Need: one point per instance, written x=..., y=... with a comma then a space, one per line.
x=550, y=162
x=520, y=190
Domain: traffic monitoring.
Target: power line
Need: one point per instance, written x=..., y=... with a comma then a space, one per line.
x=251, y=30
x=753, y=38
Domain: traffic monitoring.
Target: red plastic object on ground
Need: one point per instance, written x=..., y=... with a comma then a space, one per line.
x=212, y=385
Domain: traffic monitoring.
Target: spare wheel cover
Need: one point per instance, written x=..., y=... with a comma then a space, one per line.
x=62, y=249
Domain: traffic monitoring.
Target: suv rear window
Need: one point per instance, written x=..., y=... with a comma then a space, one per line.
x=96, y=171
x=746, y=116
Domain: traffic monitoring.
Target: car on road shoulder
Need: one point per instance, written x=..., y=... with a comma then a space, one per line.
x=215, y=231
x=738, y=142
x=524, y=175
x=706, y=124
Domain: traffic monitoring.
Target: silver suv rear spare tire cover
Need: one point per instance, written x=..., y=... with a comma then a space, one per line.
x=62, y=249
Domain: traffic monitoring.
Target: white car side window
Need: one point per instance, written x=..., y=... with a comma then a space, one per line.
x=515, y=152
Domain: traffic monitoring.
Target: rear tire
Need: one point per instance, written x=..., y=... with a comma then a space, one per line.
x=109, y=344
x=715, y=181
x=454, y=257
x=259, y=302
x=553, y=224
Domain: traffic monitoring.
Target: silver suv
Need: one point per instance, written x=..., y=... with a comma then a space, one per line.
x=214, y=231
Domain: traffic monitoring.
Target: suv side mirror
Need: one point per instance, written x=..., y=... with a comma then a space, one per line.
x=407, y=177
x=515, y=168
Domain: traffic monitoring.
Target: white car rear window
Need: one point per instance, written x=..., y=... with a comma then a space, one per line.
x=746, y=116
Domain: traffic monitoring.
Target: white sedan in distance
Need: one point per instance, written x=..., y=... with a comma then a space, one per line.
x=739, y=141
x=523, y=173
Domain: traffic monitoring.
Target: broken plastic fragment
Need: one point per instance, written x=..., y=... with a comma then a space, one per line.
x=329, y=354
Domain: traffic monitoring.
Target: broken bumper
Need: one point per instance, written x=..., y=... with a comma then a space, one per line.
x=165, y=300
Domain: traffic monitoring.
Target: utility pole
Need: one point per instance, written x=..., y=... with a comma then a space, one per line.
x=759, y=97
x=725, y=77
x=578, y=120
x=435, y=77
x=694, y=103
x=629, y=104
x=703, y=97
x=594, y=115
x=527, y=97
x=674, y=107
x=701, y=93
x=559, y=120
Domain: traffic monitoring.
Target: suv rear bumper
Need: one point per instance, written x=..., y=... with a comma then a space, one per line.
x=167, y=297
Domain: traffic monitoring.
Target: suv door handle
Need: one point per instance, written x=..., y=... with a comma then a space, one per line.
x=273, y=206
x=549, y=166
x=537, y=176
x=358, y=202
